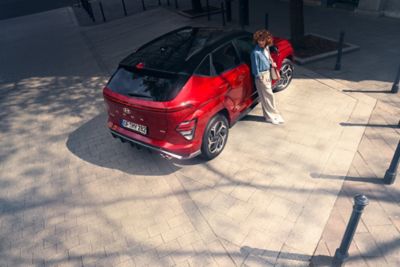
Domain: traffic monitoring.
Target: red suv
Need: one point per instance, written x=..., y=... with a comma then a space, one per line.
x=180, y=93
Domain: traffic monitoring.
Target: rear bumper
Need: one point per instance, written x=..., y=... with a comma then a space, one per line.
x=154, y=148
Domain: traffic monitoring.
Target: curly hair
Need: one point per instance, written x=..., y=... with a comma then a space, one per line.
x=262, y=35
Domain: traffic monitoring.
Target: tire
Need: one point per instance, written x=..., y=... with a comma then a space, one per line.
x=286, y=72
x=215, y=137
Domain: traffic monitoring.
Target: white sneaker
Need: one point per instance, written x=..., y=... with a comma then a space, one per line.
x=273, y=121
x=280, y=119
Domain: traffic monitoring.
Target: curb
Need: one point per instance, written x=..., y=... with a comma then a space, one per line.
x=350, y=48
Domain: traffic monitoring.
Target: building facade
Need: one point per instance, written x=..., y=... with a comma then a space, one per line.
x=387, y=8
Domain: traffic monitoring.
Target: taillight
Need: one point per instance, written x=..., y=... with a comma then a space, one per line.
x=187, y=129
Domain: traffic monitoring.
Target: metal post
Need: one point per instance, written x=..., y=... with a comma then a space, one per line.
x=390, y=175
x=144, y=7
x=223, y=13
x=395, y=87
x=176, y=4
x=266, y=21
x=339, y=55
x=228, y=6
x=243, y=13
x=208, y=10
x=159, y=2
x=360, y=201
x=168, y=3
x=88, y=7
x=124, y=7
x=102, y=11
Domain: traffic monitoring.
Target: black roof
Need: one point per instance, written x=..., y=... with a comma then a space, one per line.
x=181, y=50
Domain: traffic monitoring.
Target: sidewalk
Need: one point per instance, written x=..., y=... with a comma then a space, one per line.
x=376, y=242
x=74, y=196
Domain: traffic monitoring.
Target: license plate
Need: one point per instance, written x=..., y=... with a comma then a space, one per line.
x=134, y=127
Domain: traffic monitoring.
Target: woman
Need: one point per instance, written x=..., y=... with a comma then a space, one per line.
x=261, y=63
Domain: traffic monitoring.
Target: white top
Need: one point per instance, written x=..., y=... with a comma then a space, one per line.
x=267, y=54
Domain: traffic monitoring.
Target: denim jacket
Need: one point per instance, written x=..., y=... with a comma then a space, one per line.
x=259, y=62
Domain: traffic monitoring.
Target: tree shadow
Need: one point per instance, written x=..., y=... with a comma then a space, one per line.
x=369, y=125
x=372, y=180
x=367, y=91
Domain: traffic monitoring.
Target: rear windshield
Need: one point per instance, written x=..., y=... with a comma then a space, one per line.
x=146, y=85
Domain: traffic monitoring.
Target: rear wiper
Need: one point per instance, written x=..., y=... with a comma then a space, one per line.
x=139, y=95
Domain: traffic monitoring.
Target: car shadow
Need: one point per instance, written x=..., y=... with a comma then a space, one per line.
x=93, y=143
x=253, y=118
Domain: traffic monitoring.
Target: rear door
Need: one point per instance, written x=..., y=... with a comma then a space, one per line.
x=225, y=62
x=244, y=46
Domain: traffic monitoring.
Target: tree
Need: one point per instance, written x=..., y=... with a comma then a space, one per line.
x=296, y=22
x=196, y=6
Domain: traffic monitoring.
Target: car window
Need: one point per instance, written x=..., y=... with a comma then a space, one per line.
x=147, y=85
x=225, y=58
x=204, y=67
x=245, y=46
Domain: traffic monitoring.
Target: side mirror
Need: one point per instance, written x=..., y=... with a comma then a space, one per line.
x=274, y=49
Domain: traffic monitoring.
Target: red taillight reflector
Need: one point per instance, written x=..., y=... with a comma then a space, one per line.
x=187, y=129
x=140, y=65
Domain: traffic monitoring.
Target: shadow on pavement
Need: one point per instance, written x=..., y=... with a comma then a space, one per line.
x=93, y=143
x=369, y=125
x=266, y=254
x=253, y=118
x=368, y=91
x=372, y=180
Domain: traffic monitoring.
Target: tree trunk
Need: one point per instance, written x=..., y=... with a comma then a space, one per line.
x=196, y=5
x=296, y=22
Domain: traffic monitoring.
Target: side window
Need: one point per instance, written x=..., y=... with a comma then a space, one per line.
x=245, y=46
x=204, y=67
x=225, y=58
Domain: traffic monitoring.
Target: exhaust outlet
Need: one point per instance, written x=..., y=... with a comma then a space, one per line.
x=165, y=156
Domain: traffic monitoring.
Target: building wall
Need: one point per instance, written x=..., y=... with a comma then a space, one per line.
x=391, y=8
x=15, y=8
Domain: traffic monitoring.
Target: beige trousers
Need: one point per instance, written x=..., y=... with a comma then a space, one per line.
x=266, y=96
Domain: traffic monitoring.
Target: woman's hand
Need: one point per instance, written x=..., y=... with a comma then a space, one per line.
x=274, y=65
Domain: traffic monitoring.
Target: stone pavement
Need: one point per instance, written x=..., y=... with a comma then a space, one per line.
x=376, y=242
x=71, y=195
x=369, y=71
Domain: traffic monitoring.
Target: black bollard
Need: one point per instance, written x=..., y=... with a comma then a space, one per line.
x=159, y=2
x=88, y=7
x=340, y=48
x=390, y=175
x=395, y=87
x=143, y=6
x=266, y=21
x=168, y=3
x=124, y=7
x=102, y=11
x=176, y=4
x=223, y=13
x=228, y=6
x=244, y=12
x=208, y=10
x=360, y=201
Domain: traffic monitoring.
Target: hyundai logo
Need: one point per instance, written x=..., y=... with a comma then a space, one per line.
x=126, y=110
